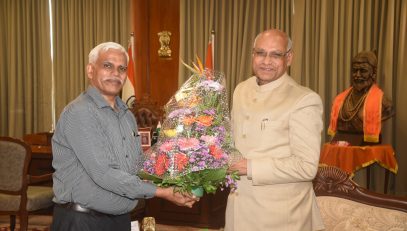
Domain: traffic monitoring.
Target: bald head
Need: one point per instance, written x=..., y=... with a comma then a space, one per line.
x=277, y=34
x=271, y=56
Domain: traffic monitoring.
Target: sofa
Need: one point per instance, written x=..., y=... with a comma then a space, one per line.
x=344, y=205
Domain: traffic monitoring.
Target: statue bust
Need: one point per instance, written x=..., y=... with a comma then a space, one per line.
x=357, y=112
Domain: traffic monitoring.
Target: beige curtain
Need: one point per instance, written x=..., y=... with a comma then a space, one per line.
x=326, y=35
x=399, y=70
x=25, y=73
x=79, y=25
x=236, y=23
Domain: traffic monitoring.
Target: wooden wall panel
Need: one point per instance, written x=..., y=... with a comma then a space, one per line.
x=156, y=76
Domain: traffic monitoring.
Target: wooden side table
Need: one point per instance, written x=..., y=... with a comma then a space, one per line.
x=353, y=158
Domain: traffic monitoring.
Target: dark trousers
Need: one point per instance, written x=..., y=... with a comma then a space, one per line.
x=65, y=219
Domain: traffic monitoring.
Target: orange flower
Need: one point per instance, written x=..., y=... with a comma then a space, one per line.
x=190, y=102
x=205, y=120
x=181, y=160
x=162, y=164
x=215, y=151
x=188, y=120
x=194, y=100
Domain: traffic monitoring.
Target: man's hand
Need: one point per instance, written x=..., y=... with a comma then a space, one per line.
x=180, y=199
x=240, y=167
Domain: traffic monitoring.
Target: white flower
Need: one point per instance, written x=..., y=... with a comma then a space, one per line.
x=179, y=128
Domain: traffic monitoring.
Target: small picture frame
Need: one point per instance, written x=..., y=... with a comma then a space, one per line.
x=145, y=136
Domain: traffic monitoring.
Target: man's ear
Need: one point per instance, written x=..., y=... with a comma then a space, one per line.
x=90, y=71
x=290, y=58
x=374, y=76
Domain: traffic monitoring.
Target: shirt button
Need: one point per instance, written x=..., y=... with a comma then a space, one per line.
x=244, y=136
x=254, y=100
x=127, y=156
x=247, y=117
x=124, y=138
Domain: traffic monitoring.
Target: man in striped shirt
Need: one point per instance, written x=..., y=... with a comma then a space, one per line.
x=97, y=153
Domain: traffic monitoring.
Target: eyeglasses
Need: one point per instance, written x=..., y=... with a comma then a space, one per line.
x=262, y=54
x=109, y=67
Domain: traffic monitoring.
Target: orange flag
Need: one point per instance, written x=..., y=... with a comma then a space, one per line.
x=209, y=61
x=129, y=87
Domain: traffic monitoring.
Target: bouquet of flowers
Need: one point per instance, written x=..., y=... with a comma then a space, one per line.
x=194, y=147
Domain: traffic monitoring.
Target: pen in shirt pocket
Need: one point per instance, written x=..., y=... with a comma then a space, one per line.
x=263, y=124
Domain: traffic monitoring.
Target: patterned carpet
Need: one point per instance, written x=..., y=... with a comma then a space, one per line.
x=42, y=223
x=29, y=229
x=35, y=223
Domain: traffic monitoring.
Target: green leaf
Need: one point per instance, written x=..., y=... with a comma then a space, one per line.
x=145, y=176
x=214, y=174
x=209, y=188
x=209, y=179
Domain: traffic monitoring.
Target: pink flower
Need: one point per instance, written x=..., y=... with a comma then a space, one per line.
x=209, y=139
x=167, y=146
x=188, y=143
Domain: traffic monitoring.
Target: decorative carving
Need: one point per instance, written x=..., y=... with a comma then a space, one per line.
x=332, y=180
x=147, y=112
x=164, y=39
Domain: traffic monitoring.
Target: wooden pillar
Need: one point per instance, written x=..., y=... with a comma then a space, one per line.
x=156, y=76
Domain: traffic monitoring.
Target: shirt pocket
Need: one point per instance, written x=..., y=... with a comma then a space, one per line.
x=273, y=132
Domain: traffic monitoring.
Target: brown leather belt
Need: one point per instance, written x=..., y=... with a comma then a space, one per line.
x=81, y=209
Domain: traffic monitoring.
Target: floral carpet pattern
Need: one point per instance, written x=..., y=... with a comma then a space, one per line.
x=42, y=223
x=35, y=223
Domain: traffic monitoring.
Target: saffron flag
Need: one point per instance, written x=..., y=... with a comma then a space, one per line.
x=128, y=88
x=209, y=61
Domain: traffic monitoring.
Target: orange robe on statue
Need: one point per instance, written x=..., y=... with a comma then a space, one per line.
x=371, y=113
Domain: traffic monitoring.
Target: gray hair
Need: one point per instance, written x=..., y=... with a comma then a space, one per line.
x=95, y=52
x=289, y=43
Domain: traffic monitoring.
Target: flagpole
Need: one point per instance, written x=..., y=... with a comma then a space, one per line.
x=209, y=60
x=213, y=48
x=53, y=101
x=132, y=63
x=132, y=43
x=128, y=91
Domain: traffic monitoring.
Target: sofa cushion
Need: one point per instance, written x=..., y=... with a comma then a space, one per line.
x=342, y=214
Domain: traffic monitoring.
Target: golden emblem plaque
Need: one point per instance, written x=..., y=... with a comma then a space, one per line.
x=164, y=39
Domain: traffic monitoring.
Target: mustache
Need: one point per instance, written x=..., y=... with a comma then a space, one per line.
x=361, y=80
x=115, y=79
x=269, y=66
